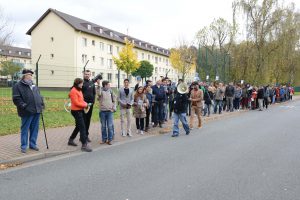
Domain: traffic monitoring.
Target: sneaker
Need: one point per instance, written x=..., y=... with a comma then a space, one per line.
x=141, y=132
x=123, y=134
x=129, y=134
x=23, y=150
x=72, y=143
x=174, y=135
x=86, y=148
x=109, y=143
x=187, y=133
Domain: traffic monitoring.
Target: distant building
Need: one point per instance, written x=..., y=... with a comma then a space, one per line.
x=20, y=56
x=66, y=43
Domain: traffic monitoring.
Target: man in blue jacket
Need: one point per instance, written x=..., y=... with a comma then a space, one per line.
x=159, y=98
x=29, y=102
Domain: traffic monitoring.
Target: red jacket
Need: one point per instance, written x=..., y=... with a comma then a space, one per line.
x=76, y=97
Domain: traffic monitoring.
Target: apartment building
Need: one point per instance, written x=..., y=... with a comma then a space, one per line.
x=20, y=56
x=66, y=43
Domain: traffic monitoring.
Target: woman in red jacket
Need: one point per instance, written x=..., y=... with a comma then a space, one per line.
x=77, y=106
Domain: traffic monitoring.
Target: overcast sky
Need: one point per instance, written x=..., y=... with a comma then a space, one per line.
x=160, y=22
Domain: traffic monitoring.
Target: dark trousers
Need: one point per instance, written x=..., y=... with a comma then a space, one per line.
x=139, y=123
x=87, y=119
x=79, y=125
x=147, y=117
x=157, y=113
x=171, y=108
x=236, y=103
x=266, y=102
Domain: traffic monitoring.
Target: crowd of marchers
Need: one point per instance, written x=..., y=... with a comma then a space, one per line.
x=150, y=105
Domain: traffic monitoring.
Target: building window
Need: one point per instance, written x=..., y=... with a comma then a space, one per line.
x=156, y=60
x=93, y=58
x=101, y=46
x=28, y=54
x=118, y=49
x=148, y=56
x=109, y=63
x=109, y=49
x=143, y=56
x=117, y=76
x=109, y=75
x=84, y=42
x=101, y=61
x=89, y=27
x=51, y=55
x=93, y=42
x=52, y=39
x=159, y=59
x=167, y=62
x=20, y=53
x=83, y=58
x=155, y=69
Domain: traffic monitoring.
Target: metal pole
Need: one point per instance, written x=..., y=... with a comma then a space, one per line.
x=118, y=79
x=37, y=70
x=44, y=130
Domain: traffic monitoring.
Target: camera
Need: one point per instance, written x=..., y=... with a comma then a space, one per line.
x=98, y=77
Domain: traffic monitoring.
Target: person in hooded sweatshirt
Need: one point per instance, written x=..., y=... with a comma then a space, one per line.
x=29, y=103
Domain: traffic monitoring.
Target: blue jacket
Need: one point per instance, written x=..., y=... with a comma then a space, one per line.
x=160, y=94
x=149, y=97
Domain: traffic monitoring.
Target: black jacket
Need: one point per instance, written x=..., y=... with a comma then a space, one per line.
x=229, y=91
x=89, y=91
x=28, y=101
x=180, y=103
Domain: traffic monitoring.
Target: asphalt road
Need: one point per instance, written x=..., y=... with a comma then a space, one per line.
x=252, y=156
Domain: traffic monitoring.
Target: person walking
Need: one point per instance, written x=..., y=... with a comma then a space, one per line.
x=196, y=98
x=180, y=107
x=107, y=106
x=77, y=110
x=139, y=109
x=125, y=99
x=29, y=102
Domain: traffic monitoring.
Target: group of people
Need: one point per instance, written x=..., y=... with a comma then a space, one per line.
x=151, y=105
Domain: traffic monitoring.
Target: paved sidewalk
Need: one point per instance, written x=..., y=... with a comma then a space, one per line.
x=58, y=138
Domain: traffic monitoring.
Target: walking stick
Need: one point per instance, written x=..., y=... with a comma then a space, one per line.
x=44, y=130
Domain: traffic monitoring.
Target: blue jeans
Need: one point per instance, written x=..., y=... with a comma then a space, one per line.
x=30, y=123
x=218, y=104
x=182, y=118
x=106, y=120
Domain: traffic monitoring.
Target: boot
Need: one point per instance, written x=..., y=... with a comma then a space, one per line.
x=86, y=148
x=72, y=143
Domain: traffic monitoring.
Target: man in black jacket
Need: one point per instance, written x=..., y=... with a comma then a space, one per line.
x=229, y=93
x=180, y=106
x=89, y=93
x=29, y=102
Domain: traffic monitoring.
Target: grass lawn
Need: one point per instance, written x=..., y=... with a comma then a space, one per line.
x=54, y=115
x=297, y=93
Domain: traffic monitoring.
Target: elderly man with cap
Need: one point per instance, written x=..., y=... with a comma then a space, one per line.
x=29, y=102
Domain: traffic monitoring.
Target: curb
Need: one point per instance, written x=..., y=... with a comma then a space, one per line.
x=34, y=157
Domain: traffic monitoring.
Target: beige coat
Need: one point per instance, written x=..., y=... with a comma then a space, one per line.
x=196, y=98
x=139, y=106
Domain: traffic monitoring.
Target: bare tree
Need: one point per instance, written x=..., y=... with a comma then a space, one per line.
x=5, y=29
